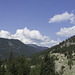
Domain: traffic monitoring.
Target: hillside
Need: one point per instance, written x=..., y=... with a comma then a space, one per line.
x=63, y=47
x=17, y=47
x=59, y=51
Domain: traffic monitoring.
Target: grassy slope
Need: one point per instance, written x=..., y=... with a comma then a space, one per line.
x=58, y=65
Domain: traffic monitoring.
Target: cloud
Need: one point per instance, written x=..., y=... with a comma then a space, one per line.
x=29, y=37
x=66, y=32
x=5, y=34
x=63, y=17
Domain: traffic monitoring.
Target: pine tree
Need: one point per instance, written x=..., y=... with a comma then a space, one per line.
x=22, y=66
x=70, y=63
x=48, y=66
x=10, y=58
x=2, y=70
x=11, y=66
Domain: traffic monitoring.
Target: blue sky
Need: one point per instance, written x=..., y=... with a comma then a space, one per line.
x=35, y=15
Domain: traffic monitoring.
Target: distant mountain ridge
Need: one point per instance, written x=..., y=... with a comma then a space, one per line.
x=39, y=48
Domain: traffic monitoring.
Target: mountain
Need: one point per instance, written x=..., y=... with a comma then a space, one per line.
x=39, y=48
x=63, y=47
x=17, y=47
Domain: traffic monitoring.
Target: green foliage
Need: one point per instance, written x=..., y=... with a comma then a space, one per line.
x=23, y=67
x=48, y=66
x=69, y=56
x=35, y=70
x=12, y=68
x=70, y=63
x=2, y=70
x=8, y=73
x=10, y=58
x=65, y=54
x=18, y=66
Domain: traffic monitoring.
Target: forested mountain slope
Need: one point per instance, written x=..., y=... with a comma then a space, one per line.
x=17, y=47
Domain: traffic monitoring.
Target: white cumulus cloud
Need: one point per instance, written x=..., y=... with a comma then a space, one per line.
x=29, y=37
x=5, y=34
x=63, y=17
x=66, y=32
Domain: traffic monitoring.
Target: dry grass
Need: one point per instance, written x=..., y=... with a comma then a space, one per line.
x=58, y=65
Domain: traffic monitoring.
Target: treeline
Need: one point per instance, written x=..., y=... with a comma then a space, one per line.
x=44, y=65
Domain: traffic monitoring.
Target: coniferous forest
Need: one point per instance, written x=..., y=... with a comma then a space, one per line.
x=25, y=66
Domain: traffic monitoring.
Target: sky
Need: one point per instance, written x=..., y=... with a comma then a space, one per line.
x=41, y=22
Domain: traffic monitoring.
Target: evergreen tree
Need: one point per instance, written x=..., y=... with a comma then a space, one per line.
x=70, y=63
x=10, y=58
x=22, y=66
x=48, y=66
x=2, y=72
x=11, y=66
